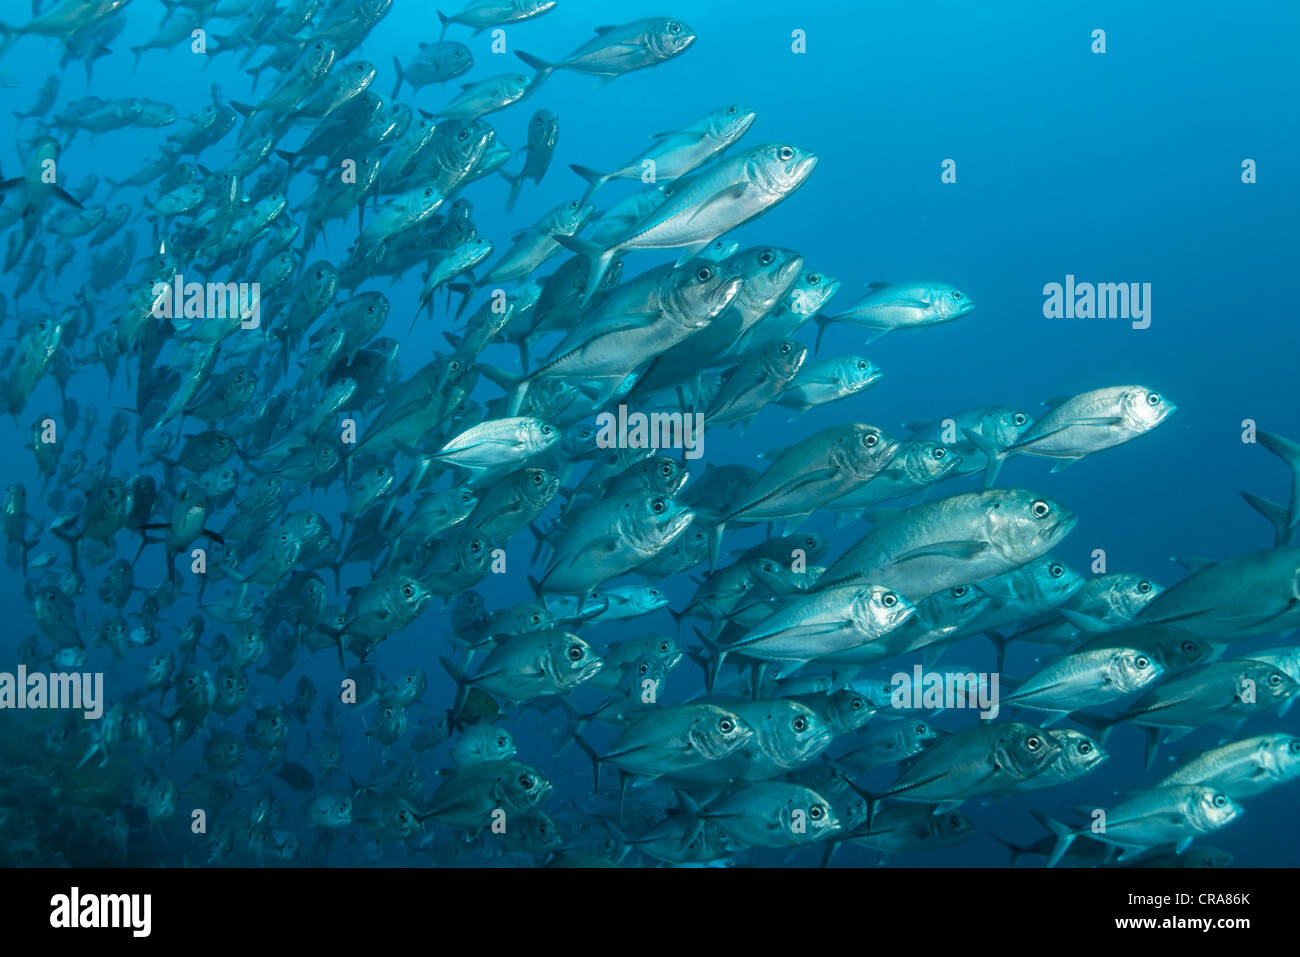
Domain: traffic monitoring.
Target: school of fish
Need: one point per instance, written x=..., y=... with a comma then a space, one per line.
x=306, y=487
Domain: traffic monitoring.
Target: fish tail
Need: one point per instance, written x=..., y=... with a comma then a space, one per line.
x=598, y=259
x=595, y=180
x=1289, y=452
x=542, y=68
x=991, y=452
x=590, y=752
x=1015, y=850
x=1276, y=514
x=1064, y=836
x=397, y=65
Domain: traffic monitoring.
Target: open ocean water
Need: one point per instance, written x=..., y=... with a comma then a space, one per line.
x=993, y=150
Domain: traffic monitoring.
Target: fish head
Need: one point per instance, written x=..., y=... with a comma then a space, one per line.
x=667, y=37
x=848, y=710
x=782, y=360
x=792, y=733
x=538, y=436
x=1284, y=756
x=703, y=289
x=878, y=610
x=1079, y=753
x=573, y=661
x=717, y=732
x=812, y=291
x=1273, y=685
x=1022, y=525
x=522, y=786
x=864, y=450
x=780, y=169
x=543, y=131
x=1045, y=582
x=949, y=302
x=1130, y=594
x=730, y=123
x=818, y=817
x=1025, y=750
x=927, y=462
x=1142, y=409
x=1004, y=426
x=1211, y=809
x=1132, y=669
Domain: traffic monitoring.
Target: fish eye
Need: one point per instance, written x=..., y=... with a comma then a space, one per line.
x=920, y=729
x=666, y=469
x=939, y=453
x=731, y=111
x=1142, y=661
x=643, y=669
x=960, y=591
x=663, y=647
x=1056, y=570
x=537, y=479
x=501, y=742
x=889, y=599
x=704, y=274
x=674, y=27
x=658, y=506
x=1189, y=647
x=726, y=726
x=766, y=257
x=1220, y=800
x=463, y=135
x=857, y=704
x=785, y=348
x=475, y=546
x=862, y=364
x=1275, y=679
x=536, y=619
x=1144, y=586
x=575, y=652
x=870, y=439
x=526, y=782
x=800, y=723
x=1020, y=418
x=573, y=204
x=1040, y=509
x=1295, y=747
x=1085, y=747
x=815, y=812
x=814, y=278
x=1153, y=398
x=956, y=294
x=785, y=153
x=1033, y=742
x=408, y=591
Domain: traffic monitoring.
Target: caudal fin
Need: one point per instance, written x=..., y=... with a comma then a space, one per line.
x=541, y=67
x=1288, y=452
x=1064, y=836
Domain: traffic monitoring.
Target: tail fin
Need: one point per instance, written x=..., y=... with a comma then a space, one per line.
x=1289, y=452
x=991, y=452
x=598, y=259
x=823, y=323
x=1064, y=836
x=543, y=69
x=1017, y=852
x=401, y=75
x=594, y=180
x=1277, y=517
x=592, y=755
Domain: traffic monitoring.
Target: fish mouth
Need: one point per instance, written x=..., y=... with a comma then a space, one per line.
x=803, y=168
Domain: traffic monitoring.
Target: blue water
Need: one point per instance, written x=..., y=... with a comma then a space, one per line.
x=1115, y=167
